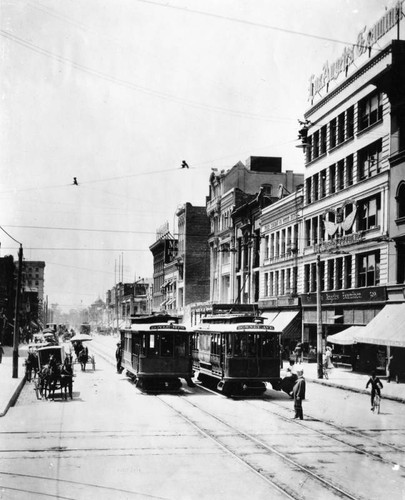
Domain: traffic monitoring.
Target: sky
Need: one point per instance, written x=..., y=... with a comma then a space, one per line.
x=117, y=93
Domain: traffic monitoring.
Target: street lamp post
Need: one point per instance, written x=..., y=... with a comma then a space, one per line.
x=319, y=317
x=16, y=315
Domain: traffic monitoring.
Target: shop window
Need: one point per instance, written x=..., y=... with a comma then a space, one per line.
x=306, y=278
x=332, y=179
x=323, y=140
x=316, y=187
x=308, y=232
x=313, y=277
x=331, y=274
x=323, y=183
x=322, y=273
x=350, y=122
x=339, y=273
x=272, y=243
x=349, y=170
x=332, y=133
x=315, y=145
x=341, y=128
x=369, y=160
x=368, y=266
x=282, y=282
x=308, y=188
x=401, y=201
x=288, y=280
x=348, y=271
x=369, y=213
x=266, y=247
x=370, y=111
x=315, y=223
x=341, y=175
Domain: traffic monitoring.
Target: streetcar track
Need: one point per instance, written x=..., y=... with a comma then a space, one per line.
x=283, y=489
x=340, y=429
x=71, y=482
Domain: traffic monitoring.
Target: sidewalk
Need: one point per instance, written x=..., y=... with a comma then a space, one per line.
x=10, y=387
x=346, y=379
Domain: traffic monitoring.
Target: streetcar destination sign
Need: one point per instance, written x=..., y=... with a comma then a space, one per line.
x=255, y=327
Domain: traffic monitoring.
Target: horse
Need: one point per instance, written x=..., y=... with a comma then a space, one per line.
x=43, y=381
x=83, y=358
x=53, y=379
x=66, y=381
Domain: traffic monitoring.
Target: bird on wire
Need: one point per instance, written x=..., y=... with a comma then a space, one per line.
x=75, y=183
x=184, y=164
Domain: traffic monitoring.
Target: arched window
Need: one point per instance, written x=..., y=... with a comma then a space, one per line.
x=401, y=200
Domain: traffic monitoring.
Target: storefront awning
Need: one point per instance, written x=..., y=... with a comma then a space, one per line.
x=287, y=322
x=345, y=337
x=387, y=328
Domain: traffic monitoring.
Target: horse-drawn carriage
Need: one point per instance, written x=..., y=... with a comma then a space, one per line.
x=81, y=351
x=55, y=372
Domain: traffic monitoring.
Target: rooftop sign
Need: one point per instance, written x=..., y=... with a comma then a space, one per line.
x=365, y=41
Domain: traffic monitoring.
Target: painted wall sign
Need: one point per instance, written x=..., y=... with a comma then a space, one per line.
x=370, y=294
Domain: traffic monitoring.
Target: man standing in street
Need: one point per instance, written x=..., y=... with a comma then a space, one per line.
x=299, y=394
x=118, y=357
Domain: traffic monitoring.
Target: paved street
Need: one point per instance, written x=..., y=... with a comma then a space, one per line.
x=113, y=441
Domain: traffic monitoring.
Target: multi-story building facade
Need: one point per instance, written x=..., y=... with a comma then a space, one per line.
x=353, y=235
x=33, y=282
x=165, y=272
x=281, y=231
x=230, y=190
x=123, y=301
x=192, y=260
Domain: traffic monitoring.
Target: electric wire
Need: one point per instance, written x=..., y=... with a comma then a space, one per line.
x=9, y=235
x=254, y=24
x=133, y=86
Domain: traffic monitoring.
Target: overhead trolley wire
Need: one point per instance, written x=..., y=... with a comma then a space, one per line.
x=252, y=23
x=133, y=86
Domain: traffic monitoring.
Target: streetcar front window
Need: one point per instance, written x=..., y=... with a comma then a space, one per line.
x=269, y=346
x=153, y=348
x=166, y=345
x=180, y=345
x=253, y=344
x=240, y=344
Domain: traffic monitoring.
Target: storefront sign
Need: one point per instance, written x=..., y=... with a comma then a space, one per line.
x=342, y=241
x=370, y=294
x=365, y=41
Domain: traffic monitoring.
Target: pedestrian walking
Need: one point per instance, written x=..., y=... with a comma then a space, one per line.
x=298, y=353
x=392, y=370
x=376, y=386
x=299, y=394
x=1, y=352
x=118, y=357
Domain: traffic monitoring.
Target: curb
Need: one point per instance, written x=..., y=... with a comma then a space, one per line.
x=354, y=389
x=14, y=397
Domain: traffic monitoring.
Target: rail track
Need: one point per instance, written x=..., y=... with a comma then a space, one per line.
x=284, y=474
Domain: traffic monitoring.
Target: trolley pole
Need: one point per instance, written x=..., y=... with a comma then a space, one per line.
x=319, y=317
x=16, y=315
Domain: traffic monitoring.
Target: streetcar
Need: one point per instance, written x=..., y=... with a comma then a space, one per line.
x=237, y=352
x=157, y=353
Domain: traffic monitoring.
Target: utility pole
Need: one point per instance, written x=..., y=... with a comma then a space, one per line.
x=319, y=317
x=16, y=314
